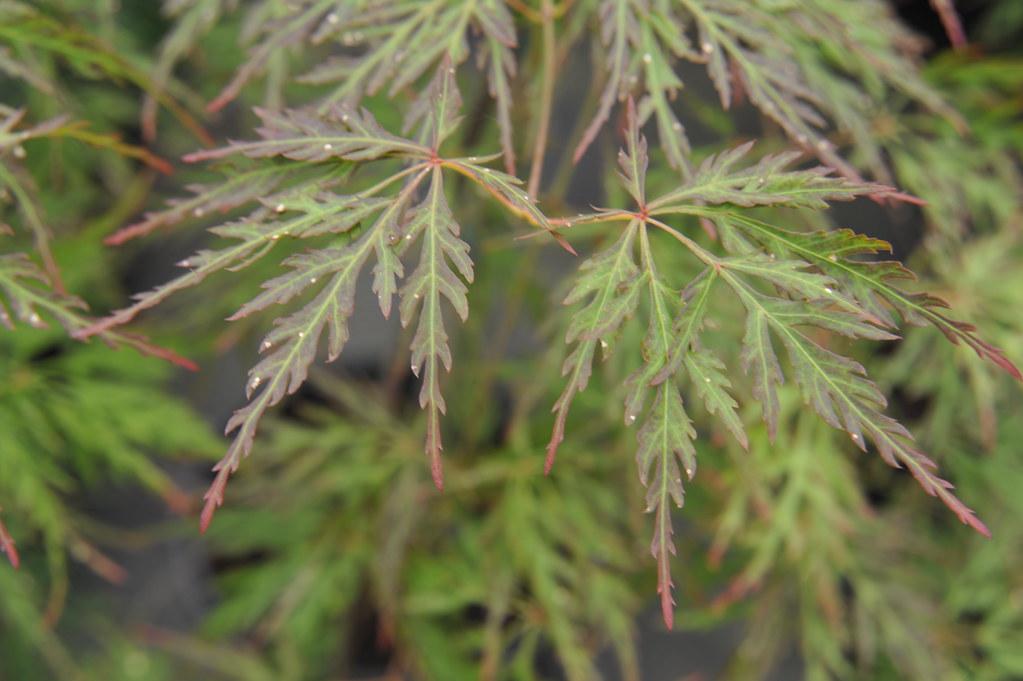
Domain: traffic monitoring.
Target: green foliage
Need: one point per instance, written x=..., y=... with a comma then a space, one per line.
x=717, y=311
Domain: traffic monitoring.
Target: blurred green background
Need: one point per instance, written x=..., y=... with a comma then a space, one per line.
x=334, y=558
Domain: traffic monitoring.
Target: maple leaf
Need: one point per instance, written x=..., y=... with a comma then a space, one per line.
x=291, y=347
x=433, y=278
x=786, y=281
x=608, y=283
x=387, y=46
x=302, y=159
x=642, y=38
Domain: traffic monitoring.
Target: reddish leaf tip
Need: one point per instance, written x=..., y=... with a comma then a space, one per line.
x=214, y=497
x=12, y=555
x=437, y=473
x=7, y=547
x=1006, y=365
x=563, y=242
x=668, y=608
x=552, y=452
x=978, y=525
x=206, y=517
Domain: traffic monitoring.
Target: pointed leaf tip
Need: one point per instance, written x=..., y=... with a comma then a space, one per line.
x=548, y=464
x=668, y=609
x=214, y=497
x=437, y=473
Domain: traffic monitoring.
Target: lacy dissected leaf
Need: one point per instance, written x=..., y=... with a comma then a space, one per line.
x=299, y=168
x=292, y=346
x=736, y=36
x=721, y=179
x=862, y=61
x=665, y=439
x=499, y=60
x=26, y=290
x=712, y=385
x=386, y=46
x=397, y=42
x=27, y=294
x=705, y=370
x=342, y=132
x=301, y=210
x=436, y=110
x=841, y=255
x=642, y=39
x=236, y=190
x=272, y=28
x=666, y=436
x=835, y=386
x=607, y=287
x=787, y=282
x=28, y=30
x=780, y=56
x=871, y=283
x=765, y=313
x=433, y=278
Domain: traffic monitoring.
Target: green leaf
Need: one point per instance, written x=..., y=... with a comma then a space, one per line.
x=22, y=284
x=434, y=277
x=761, y=363
x=712, y=385
x=291, y=347
x=667, y=434
x=633, y=160
x=341, y=132
x=838, y=390
x=870, y=283
x=436, y=109
x=736, y=37
x=665, y=439
x=256, y=234
x=642, y=38
x=26, y=292
x=721, y=180
x=236, y=190
x=608, y=282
